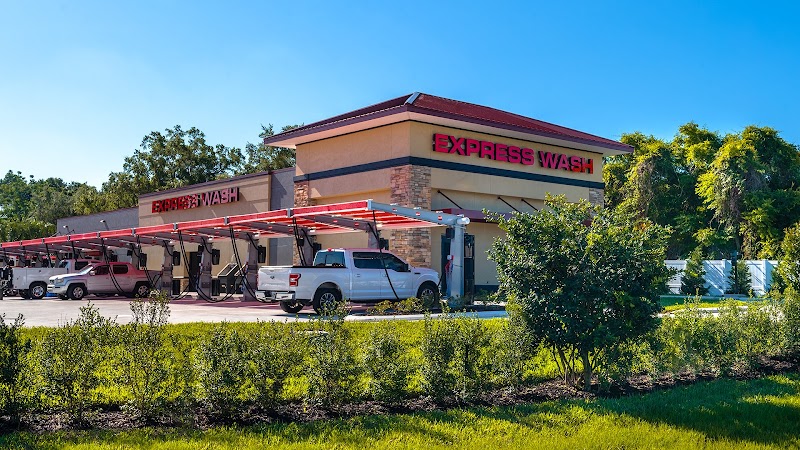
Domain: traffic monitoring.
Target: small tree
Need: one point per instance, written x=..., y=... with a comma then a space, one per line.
x=14, y=352
x=739, y=280
x=788, y=271
x=221, y=365
x=585, y=279
x=70, y=359
x=147, y=362
x=693, y=281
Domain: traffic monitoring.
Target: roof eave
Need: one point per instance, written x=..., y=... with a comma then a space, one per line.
x=290, y=139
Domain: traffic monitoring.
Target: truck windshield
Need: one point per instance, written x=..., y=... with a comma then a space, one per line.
x=329, y=259
x=86, y=270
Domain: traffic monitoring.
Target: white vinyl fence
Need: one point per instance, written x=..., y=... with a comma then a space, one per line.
x=718, y=271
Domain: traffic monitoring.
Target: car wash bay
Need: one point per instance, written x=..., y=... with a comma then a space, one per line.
x=303, y=224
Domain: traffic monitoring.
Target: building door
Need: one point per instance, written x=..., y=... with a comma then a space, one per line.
x=194, y=270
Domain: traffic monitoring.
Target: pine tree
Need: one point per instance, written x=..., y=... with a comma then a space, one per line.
x=693, y=281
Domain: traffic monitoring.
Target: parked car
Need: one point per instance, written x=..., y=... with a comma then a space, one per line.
x=103, y=279
x=31, y=282
x=354, y=274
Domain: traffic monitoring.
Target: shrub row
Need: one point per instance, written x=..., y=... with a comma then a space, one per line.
x=153, y=371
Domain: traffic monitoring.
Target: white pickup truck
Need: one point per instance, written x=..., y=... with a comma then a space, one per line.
x=354, y=274
x=31, y=282
x=102, y=278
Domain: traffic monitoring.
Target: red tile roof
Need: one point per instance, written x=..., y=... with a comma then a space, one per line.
x=452, y=109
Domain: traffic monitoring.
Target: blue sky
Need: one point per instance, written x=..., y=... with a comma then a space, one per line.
x=81, y=83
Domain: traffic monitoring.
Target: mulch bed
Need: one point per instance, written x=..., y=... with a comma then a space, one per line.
x=200, y=418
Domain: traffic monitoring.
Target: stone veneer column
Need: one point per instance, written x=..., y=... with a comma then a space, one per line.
x=411, y=186
x=301, y=194
x=301, y=198
x=596, y=197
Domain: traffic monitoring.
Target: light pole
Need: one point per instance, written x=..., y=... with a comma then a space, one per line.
x=734, y=262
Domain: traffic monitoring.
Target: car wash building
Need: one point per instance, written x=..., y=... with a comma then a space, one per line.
x=415, y=151
x=438, y=154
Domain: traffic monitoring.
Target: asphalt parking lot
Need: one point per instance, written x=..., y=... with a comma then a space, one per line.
x=53, y=311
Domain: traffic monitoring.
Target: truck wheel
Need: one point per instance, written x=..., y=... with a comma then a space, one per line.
x=38, y=290
x=429, y=294
x=76, y=291
x=325, y=300
x=142, y=290
x=291, y=307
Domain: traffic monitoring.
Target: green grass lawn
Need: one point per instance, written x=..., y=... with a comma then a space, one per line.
x=675, y=302
x=762, y=413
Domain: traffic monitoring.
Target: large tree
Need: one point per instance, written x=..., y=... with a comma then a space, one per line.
x=29, y=208
x=172, y=159
x=261, y=157
x=737, y=192
x=584, y=280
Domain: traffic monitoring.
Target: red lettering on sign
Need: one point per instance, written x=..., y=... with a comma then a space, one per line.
x=440, y=143
x=219, y=196
x=473, y=146
x=588, y=166
x=501, y=152
x=528, y=157
x=548, y=160
x=458, y=145
x=444, y=143
x=487, y=149
x=575, y=163
x=563, y=162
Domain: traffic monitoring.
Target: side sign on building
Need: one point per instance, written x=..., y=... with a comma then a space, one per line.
x=497, y=151
x=220, y=196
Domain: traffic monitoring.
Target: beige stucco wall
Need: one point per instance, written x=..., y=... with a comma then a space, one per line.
x=363, y=147
x=470, y=191
x=253, y=197
x=373, y=184
x=422, y=146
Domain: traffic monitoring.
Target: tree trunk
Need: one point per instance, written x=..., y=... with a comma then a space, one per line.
x=587, y=371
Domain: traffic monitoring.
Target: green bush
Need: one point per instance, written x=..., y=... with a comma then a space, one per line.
x=619, y=362
x=790, y=310
x=514, y=352
x=410, y=305
x=333, y=371
x=277, y=354
x=152, y=372
x=71, y=359
x=387, y=363
x=696, y=341
x=438, y=352
x=593, y=287
x=14, y=353
x=453, y=349
x=221, y=365
x=684, y=342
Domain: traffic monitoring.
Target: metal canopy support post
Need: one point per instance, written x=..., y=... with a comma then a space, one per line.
x=135, y=256
x=204, y=282
x=374, y=240
x=250, y=271
x=166, y=270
